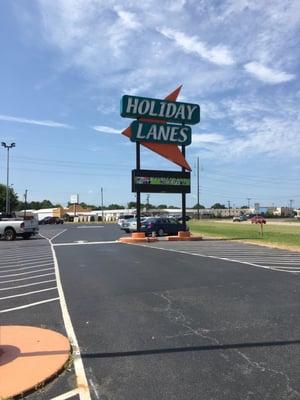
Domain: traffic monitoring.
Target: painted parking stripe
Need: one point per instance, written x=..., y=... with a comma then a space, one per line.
x=89, y=227
x=26, y=273
x=85, y=243
x=27, y=278
x=27, y=293
x=26, y=264
x=270, y=258
x=24, y=258
x=29, y=305
x=67, y=395
x=81, y=380
x=22, y=268
x=29, y=284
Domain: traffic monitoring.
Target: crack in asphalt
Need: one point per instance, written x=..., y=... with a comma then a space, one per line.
x=178, y=317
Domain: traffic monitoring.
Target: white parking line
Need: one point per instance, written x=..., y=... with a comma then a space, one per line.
x=81, y=380
x=66, y=395
x=29, y=305
x=89, y=227
x=27, y=278
x=22, y=268
x=27, y=293
x=29, y=284
x=85, y=243
x=25, y=260
x=272, y=259
x=26, y=273
x=58, y=234
x=19, y=251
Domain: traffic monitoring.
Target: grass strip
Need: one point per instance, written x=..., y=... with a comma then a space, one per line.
x=276, y=235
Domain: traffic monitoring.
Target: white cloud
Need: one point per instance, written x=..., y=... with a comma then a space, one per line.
x=128, y=19
x=106, y=129
x=219, y=55
x=207, y=138
x=51, y=124
x=268, y=75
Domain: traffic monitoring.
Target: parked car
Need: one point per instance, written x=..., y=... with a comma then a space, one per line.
x=161, y=226
x=130, y=225
x=124, y=218
x=240, y=218
x=51, y=221
x=10, y=228
x=258, y=219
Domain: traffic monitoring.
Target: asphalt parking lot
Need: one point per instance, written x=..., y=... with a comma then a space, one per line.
x=203, y=320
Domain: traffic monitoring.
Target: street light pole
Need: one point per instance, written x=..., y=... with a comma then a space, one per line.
x=8, y=147
x=102, y=216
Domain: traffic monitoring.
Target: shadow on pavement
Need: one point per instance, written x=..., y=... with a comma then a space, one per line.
x=191, y=348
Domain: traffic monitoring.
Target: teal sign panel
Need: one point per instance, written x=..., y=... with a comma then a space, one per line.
x=171, y=111
x=180, y=135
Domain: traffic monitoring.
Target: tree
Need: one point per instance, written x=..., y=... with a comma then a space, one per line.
x=218, y=206
x=115, y=207
x=131, y=204
x=201, y=207
x=244, y=207
x=162, y=206
x=13, y=198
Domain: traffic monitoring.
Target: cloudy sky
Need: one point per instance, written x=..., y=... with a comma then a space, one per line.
x=65, y=65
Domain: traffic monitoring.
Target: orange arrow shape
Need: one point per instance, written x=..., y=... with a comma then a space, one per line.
x=170, y=151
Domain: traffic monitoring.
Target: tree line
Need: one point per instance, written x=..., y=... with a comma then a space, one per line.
x=17, y=205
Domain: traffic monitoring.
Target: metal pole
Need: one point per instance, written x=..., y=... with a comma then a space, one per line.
x=198, y=190
x=25, y=202
x=183, y=197
x=102, y=203
x=7, y=182
x=138, y=193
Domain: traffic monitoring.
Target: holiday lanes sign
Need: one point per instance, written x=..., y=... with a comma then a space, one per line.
x=169, y=151
x=161, y=133
x=170, y=111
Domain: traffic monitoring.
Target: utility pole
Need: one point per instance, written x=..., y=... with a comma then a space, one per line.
x=229, y=207
x=8, y=147
x=102, y=213
x=248, y=199
x=198, y=189
x=147, y=202
x=25, y=202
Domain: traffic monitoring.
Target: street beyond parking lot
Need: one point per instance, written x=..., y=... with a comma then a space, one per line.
x=206, y=320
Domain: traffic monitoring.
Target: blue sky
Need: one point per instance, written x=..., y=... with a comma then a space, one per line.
x=65, y=65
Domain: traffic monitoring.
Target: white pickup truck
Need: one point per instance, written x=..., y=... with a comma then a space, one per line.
x=10, y=228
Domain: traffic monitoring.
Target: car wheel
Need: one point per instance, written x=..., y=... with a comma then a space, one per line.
x=9, y=234
x=160, y=232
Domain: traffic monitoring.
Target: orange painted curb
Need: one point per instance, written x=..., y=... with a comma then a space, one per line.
x=184, y=234
x=138, y=235
x=29, y=357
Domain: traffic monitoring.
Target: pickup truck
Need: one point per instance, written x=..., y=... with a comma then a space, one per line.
x=10, y=228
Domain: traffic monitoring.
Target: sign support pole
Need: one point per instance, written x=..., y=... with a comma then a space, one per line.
x=138, y=193
x=183, y=206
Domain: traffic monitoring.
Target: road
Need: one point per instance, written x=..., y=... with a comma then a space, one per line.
x=210, y=320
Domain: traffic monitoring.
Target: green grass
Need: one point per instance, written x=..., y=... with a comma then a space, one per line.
x=276, y=235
